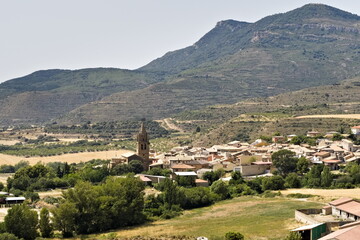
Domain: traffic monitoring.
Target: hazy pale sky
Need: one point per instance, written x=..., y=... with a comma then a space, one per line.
x=74, y=34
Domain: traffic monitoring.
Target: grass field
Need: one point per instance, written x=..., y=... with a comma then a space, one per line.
x=256, y=218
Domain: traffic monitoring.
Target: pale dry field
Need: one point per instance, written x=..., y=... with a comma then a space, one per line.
x=69, y=158
x=346, y=116
x=5, y=176
x=326, y=193
x=8, y=142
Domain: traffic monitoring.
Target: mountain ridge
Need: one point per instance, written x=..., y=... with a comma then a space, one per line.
x=233, y=61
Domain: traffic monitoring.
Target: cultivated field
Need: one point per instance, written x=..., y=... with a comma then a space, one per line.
x=326, y=193
x=343, y=116
x=256, y=218
x=69, y=158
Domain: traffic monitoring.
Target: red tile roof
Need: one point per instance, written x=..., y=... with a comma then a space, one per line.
x=344, y=234
x=331, y=161
x=200, y=181
x=352, y=207
x=340, y=201
x=182, y=166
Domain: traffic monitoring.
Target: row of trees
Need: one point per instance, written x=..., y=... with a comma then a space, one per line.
x=23, y=223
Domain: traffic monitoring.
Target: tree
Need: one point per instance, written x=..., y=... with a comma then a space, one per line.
x=302, y=165
x=64, y=218
x=220, y=188
x=22, y=222
x=213, y=176
x=8, y=236
x=292, y=180
x=326, y=177
x=170, y=193
x=285, y=161
x=273, y=183
x=234, y=236
x=313, y=177
x=45, y=226
x=136, y=166
x=337, y=137
x=197, y=129
x=236, y=178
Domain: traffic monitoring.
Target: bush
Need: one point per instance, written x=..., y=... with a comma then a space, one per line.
x=234, y=236
x=292, y=181
x=221, y=189
x=241, y=190
x=270, y=194
x=300, y=195
x=8, y=236
x=273, y=183
x=197, y=197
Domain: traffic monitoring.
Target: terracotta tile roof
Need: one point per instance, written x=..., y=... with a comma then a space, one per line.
x=322, y=154
x=331, y=161
x=144, y=179
x=344, y=234
x=182, y=166
x=356, y=127
x=200, y=181
x=352, y=207
x=340, y=201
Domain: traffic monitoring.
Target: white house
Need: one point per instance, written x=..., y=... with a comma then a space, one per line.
x=355, y=130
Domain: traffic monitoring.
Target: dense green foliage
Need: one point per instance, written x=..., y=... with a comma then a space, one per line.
x=234, y=236
x=45, y=226
x=8, y=236
x=22, y=222
x=86, y=208
x=284, y=161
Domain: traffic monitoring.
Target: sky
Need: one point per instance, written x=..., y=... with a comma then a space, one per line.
x=74, y=34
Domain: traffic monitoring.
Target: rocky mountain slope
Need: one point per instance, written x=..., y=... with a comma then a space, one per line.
x=310, y=46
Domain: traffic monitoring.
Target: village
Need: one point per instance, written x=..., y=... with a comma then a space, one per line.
x=339, y=219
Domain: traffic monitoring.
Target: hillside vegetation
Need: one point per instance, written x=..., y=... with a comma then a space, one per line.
x=250, y=119
x=310, y=46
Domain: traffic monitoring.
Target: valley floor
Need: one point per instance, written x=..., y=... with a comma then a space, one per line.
x=256, y=218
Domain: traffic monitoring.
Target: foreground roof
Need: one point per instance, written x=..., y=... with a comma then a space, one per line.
x=343, y=234
x=340, y=201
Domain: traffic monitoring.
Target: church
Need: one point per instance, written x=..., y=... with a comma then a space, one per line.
x=142, y=153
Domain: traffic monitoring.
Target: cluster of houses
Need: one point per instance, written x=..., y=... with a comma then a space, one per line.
x=250, y=159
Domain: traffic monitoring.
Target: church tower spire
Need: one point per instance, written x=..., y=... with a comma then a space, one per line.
x=143, y=143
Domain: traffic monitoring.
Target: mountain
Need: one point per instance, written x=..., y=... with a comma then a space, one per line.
x=250, y=119
x=310, y=46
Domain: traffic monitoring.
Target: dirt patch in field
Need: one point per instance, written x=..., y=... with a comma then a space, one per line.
x=344, y=116
x=53, y=193
x=4, y=177
x=69, y=158
x=9, y=142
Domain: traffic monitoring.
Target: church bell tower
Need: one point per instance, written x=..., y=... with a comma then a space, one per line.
x=143, y=144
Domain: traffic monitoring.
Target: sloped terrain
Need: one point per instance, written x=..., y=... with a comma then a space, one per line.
x=310, y=46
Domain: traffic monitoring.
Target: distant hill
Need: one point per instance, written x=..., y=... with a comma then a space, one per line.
x=248, y=120
x=310, y=46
